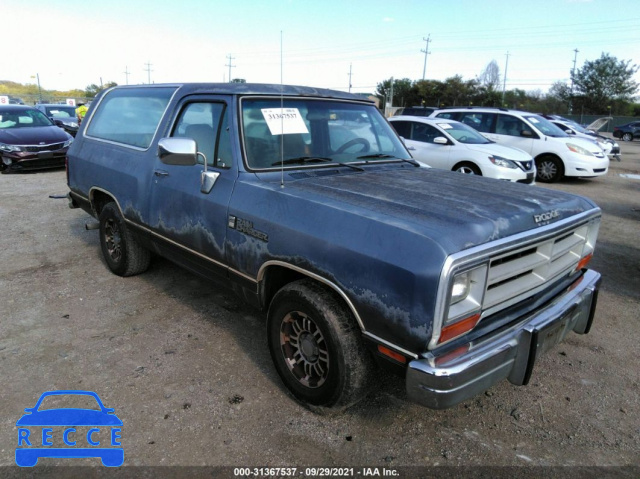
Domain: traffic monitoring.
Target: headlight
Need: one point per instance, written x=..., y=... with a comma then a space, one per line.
x=72, y=125
x=466, y=293
x=67, y=143
x=9, y=148
x=499, y=161
x=578, y=149
x=460, y=288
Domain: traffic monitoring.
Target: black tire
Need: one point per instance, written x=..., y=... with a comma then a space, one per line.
x=627, y=136
x=317, y=347
x=122, y=252
x=467, y=168
x=549, y=169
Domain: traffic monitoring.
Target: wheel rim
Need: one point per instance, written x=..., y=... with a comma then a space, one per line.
x=304, y=349
x=466, y=170
x=113, y=240
x=626, y=137
x=547, y=170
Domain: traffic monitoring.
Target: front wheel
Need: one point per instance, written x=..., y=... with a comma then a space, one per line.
x=468, y=169
x=627, y=137
x=549, y=169
x=122, y=252
x=316, y=347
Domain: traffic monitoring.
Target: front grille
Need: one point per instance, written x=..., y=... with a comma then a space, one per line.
x=599, y=170
x=35, y=149
x=518, y=272
x=526, y=165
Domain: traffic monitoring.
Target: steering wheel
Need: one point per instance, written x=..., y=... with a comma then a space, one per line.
x=462, y=139
x=356, y=141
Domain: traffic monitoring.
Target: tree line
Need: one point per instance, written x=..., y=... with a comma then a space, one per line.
x=601, y=87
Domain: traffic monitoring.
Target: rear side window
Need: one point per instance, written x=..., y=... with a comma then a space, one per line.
x=130, y=115
x=482, y=122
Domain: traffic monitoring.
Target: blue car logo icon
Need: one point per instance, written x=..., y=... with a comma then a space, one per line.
x=69, y=432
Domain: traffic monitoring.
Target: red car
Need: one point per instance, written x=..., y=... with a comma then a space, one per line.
x=29, y=140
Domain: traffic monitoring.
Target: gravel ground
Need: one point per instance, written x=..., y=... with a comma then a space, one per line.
x=186, y=366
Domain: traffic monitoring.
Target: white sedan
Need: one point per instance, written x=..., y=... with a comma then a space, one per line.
x=452, y=145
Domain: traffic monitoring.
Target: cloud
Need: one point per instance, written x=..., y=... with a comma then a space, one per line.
x=388, y=19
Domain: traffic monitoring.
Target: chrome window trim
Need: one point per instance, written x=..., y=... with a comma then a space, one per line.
x=482, y=253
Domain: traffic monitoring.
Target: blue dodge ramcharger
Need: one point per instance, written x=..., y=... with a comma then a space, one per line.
x=307, y=204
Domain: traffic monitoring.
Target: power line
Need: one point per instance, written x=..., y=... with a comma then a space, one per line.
x=230, y=58
x=149, y=70
x=426, y=52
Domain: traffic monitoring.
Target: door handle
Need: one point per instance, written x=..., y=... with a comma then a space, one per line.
x=160, y=173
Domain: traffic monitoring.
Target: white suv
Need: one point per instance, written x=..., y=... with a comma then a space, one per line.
x=556, y=153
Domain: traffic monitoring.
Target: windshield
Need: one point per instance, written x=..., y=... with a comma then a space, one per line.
x=463, y=133
x=22, y=119
x=315, y=131
x=61, y=111
x=545, y=126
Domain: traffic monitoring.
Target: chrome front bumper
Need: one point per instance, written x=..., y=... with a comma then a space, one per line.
x=437, y=382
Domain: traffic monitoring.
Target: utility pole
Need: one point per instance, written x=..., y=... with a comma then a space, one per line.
x=149, y=70
x=504, y=84
x=426, y=52
x=349, y=77
x=39, y=89
x=391, y=94
x=573, y=71
x=126, y=74
x=230, y=65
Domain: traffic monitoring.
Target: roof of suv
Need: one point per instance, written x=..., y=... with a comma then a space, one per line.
x=254, y=89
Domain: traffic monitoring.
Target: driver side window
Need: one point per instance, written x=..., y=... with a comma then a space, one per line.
x=207, y=124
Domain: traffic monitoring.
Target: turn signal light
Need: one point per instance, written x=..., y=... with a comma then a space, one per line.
x=392, y=354
x=584, y=262
x=459, y=327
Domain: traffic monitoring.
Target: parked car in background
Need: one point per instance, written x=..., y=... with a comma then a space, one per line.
x=556, y=153
x=627, y=132
x=416, y=111
x=452, y=145
x=63, y=116
x=29, y=140
x=610, y=147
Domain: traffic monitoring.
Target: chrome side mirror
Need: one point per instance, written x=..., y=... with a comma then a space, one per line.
x=178, y=151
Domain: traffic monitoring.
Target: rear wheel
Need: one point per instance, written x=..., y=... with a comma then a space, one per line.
x=316, y=347
x=627, y=136
x=467, y=169
x=122, y=252
x=549, y=169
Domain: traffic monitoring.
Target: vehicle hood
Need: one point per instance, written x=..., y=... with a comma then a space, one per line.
x=37, y=135
x=507, y=152
x=453, y=210
x=588, y=144
x=69, y=417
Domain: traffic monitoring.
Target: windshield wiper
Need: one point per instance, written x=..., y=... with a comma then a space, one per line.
x=313, y=159
x=382, y=155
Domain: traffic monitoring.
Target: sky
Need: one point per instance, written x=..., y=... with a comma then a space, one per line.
x=75, y=43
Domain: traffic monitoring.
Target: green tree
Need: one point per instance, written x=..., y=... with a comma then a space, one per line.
x=93, y=89
x=605, y=82
x=404, y=93
x=238, y=80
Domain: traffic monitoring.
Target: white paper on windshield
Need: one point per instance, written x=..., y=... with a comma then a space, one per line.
x=445, y=126
x=284, y=121
x=533, y=120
